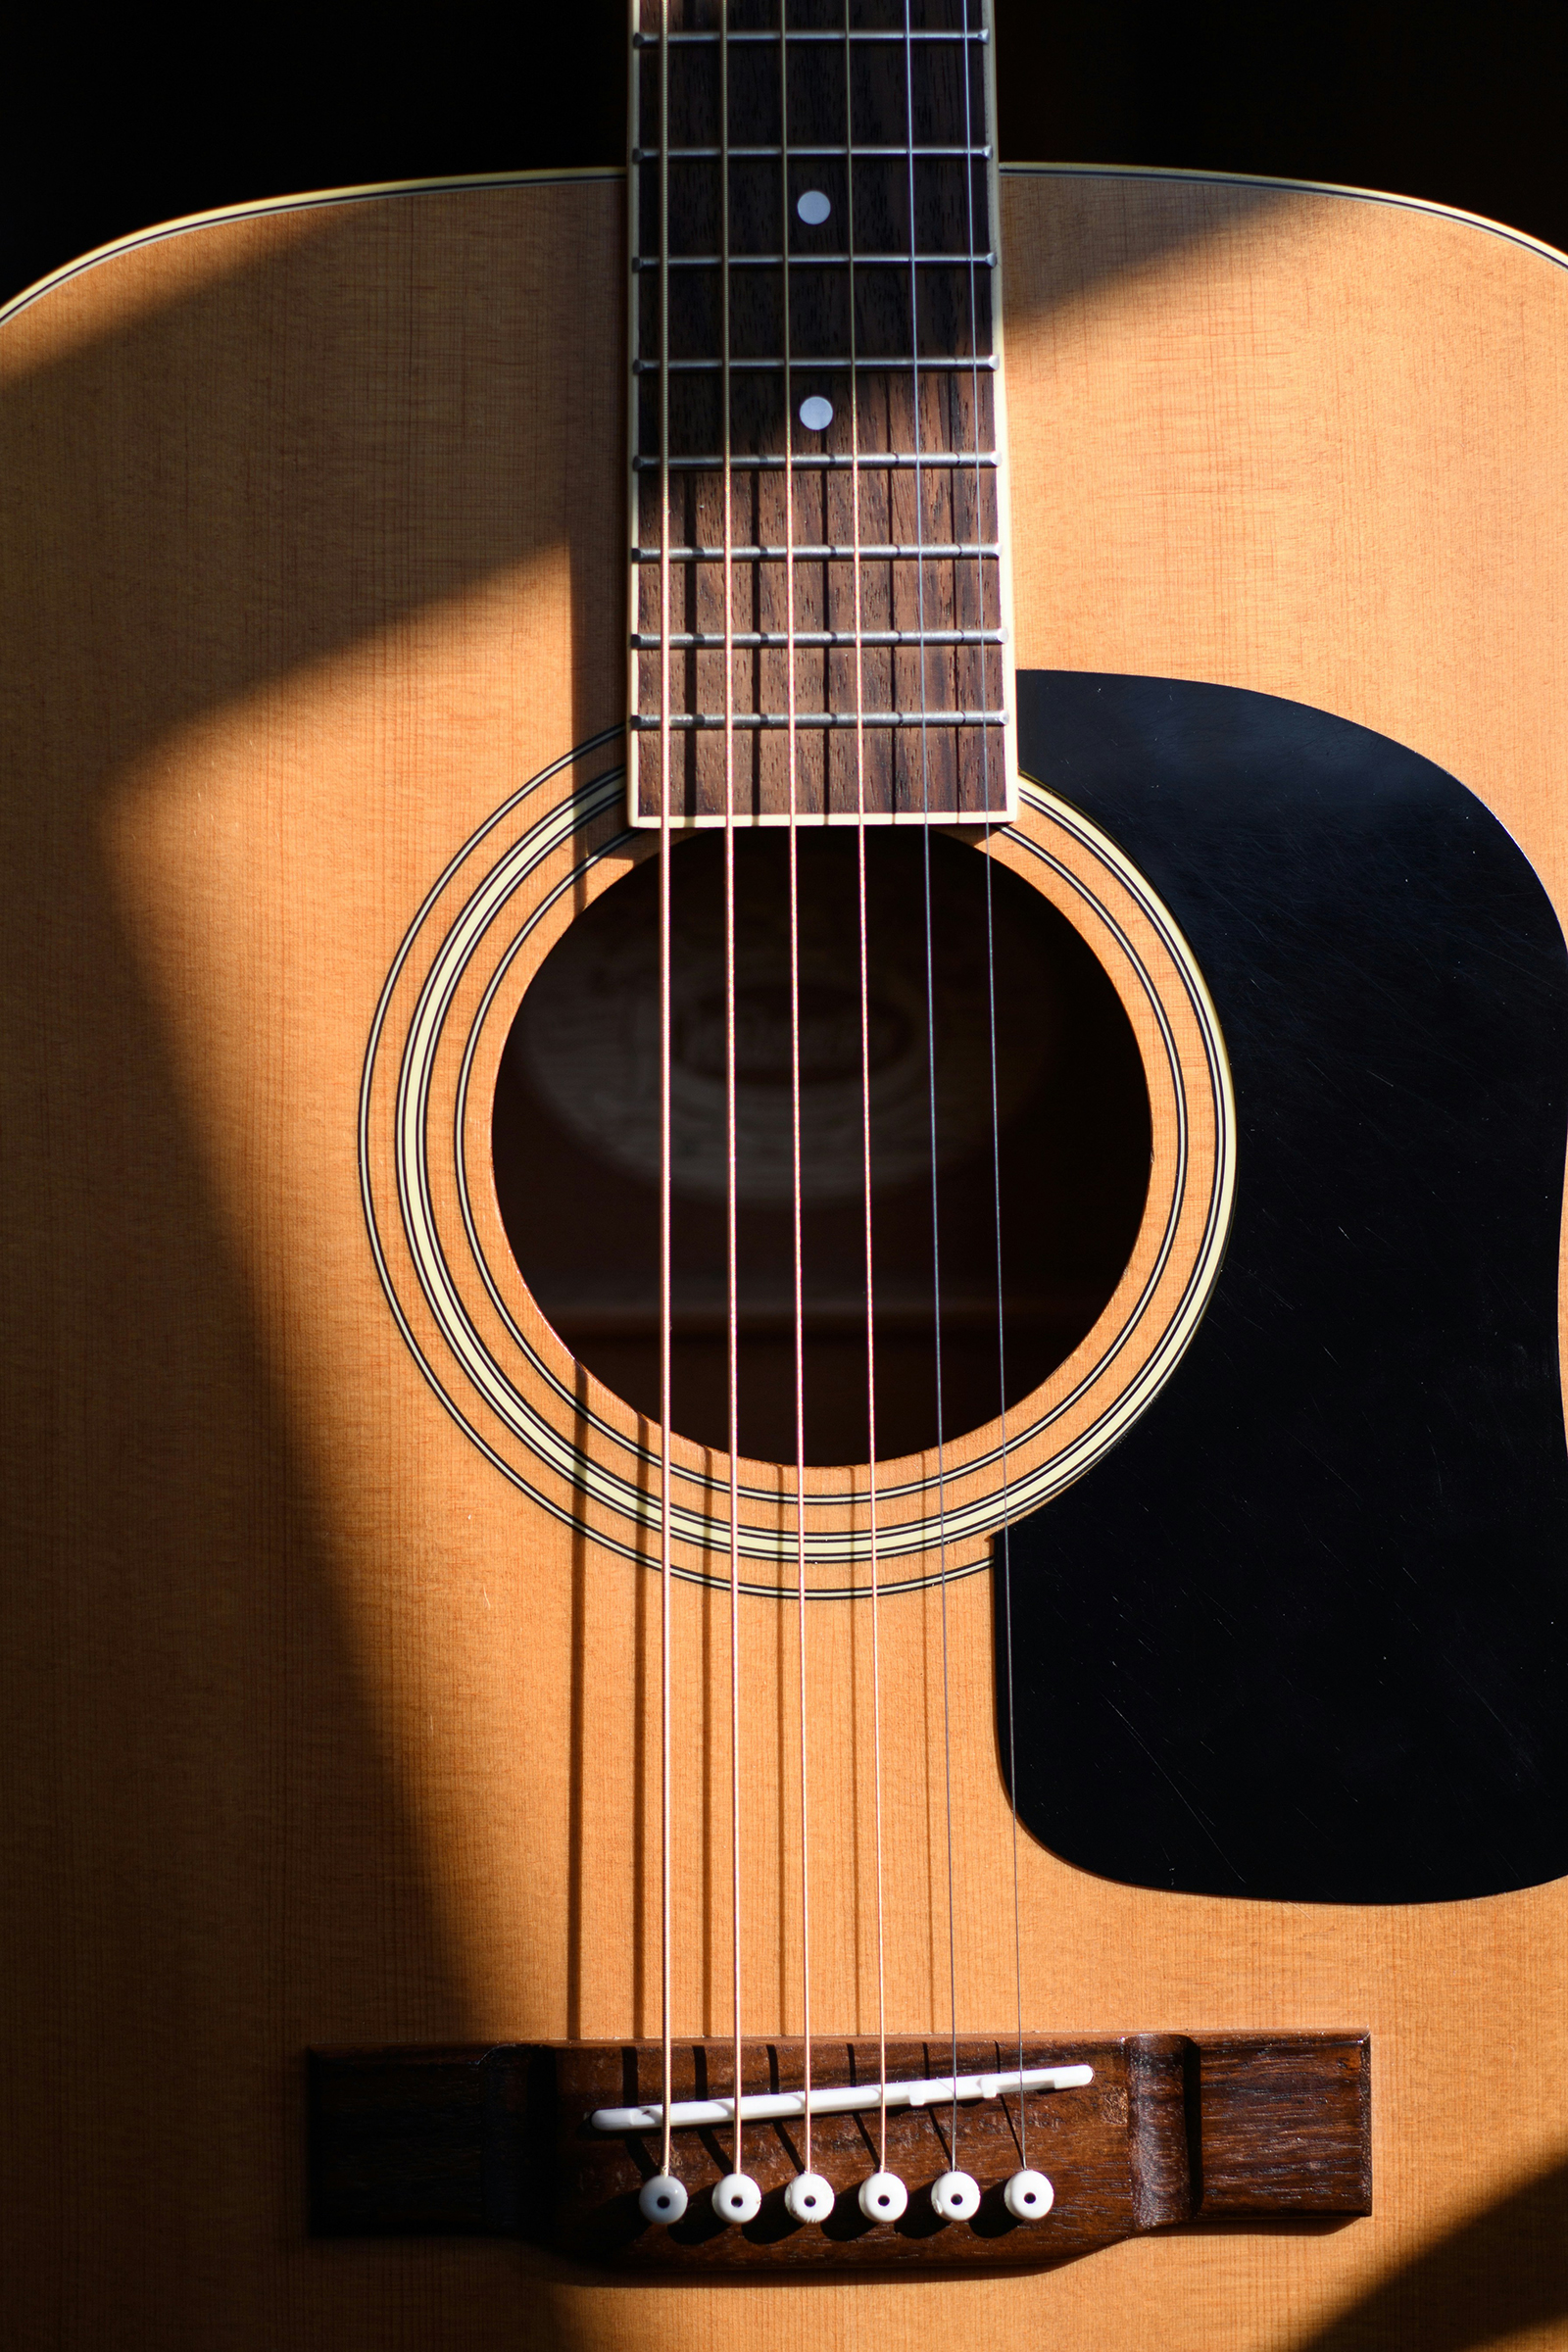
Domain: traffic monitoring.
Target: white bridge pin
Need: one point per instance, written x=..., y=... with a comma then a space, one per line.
x=808, y=2199
x=955, y=2197
x=884, y=2197
x=661, y=2199
x=1028, y=2196
x=737, y=2198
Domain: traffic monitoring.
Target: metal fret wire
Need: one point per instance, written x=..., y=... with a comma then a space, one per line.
x=894, y=554
x=826, y=261
x=709, y=155
x=892, y=363
x=665, y=1286
x=731, y=1188
x=821, y=461
x=692, y=40
x=759, y=722
x=795, y=1089
x=974, y=435
x=771, y=639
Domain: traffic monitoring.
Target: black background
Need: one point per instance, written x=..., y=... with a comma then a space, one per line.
x=116, y=122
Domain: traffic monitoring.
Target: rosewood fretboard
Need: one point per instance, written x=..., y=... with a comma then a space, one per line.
x=819, y=496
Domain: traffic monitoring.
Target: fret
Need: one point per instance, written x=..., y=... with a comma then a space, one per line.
x=713, y=155
x=757, y=720
x=804, y=34
x=715, y=640
x=880, y=551
x=832, y=461
x=926, y=362
x=821, y=261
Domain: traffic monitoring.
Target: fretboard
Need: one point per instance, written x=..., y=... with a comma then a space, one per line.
x=819, y=582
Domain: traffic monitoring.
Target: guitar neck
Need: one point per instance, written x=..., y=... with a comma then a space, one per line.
x=820, y=568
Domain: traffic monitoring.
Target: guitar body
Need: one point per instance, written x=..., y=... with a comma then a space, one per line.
x=328, y=1724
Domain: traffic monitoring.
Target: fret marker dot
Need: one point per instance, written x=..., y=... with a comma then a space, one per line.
x=817, y=413
x=814, y=207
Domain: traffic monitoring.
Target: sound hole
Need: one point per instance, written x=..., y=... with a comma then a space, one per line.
x=576, y=1141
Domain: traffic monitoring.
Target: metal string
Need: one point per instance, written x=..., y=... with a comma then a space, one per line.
x=1007, y=1531
x=866, y=1099
x=794, y=1070
x=996, y=1126
x=931, y=1062
x=731, y=1256
x=664, y=1267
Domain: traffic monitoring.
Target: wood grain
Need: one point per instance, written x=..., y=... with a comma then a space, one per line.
x=1162, y=2151
x=499, y=2140
x=316, y=1734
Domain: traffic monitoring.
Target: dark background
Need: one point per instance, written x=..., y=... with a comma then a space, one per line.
x=120, y=122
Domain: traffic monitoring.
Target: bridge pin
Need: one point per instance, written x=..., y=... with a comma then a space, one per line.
x=955, y=2197
x=808, y=2199
x=1029, y=2196
x=661, y=2199
x=884, y=2197
x=737, y=2198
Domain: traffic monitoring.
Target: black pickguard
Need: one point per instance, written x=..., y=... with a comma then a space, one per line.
x=1304, y=1634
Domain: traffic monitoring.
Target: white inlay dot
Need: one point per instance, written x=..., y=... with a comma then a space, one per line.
x=814, y=207
x=817, y=413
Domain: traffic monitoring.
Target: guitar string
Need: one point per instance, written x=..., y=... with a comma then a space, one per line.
x=666, y=1045
x=666, y=1564
x=1007, y=1531
x=931, y=1073
x=791, y=754
x=865, y=1096
x=986, y=703
x=732, y=1264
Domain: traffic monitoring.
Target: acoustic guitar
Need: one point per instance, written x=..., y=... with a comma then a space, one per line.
x=784, y=1119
